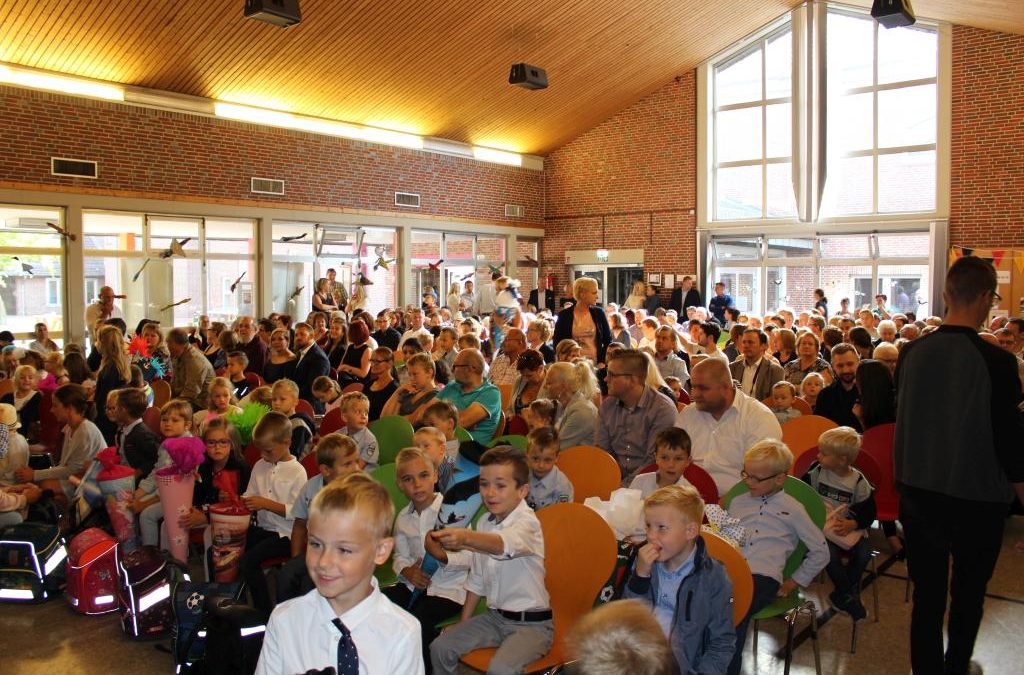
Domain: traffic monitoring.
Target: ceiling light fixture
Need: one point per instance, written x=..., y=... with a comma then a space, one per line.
x=497, y=156
x=75, y=86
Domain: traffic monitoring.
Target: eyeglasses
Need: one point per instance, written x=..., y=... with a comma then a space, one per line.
x=756, y=479
x=380, y=360
x=996, y=298
x=219, y=442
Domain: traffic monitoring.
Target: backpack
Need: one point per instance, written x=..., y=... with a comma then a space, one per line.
x=33, y=562
x=188, y=641
x=92, y=576
x=145, y=591
x=234, y=638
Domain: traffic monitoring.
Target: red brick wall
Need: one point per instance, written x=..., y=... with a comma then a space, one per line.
x=987, y=173
x=640, y=162
x=176, y=156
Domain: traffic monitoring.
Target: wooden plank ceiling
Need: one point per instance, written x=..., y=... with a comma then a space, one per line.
x=435, y=67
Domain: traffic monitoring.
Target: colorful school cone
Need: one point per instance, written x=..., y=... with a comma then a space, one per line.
x=229, y=523
x=117, y=485
x=176, y=498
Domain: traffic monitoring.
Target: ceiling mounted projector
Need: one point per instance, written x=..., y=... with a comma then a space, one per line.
x=281, y=13
x=528, y=77
x=893, y=13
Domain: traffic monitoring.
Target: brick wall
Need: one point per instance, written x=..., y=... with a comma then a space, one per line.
x=635, y=166
x=169, y=155
x=987, y=173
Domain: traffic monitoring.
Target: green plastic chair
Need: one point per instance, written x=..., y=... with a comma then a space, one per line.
x=392, y=433
x=386, y=476
x=795, y=604
x=517, y=442
x=462, y=434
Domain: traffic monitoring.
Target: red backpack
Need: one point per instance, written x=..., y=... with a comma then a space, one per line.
x=92, y=572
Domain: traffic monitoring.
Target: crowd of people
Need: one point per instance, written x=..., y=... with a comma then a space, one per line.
x=651, y=386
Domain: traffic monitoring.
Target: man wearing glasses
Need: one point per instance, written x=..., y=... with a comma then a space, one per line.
x=478, y=401
x=632, y=415
x=723, y=422
x=959, y=462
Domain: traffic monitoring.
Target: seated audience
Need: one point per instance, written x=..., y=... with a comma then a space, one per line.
x=478, y=401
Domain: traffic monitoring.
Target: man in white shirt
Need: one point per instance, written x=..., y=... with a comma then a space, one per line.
x=101, y=310
x=488, y=294
x=755, y=373
x=723, y=423
x=416, y=329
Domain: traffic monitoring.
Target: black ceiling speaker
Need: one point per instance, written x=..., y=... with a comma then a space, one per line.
x=527, y=76
x=893, y=13
x=281, y=13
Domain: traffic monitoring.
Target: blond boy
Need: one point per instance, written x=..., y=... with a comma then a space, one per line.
x=285, y=395
x=548, y=485
x=355, y=410
x=345, y=623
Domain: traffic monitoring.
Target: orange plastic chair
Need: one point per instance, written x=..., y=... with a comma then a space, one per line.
x=802, y=433
x=506, y=395
x=572, y=532
x=6, y=386
x=803, y=406
x=151, y=418
x=738, y=570
x=304, y=406
x=331, y=422
x=591, y=470
x=500, y=429
x=161, y=392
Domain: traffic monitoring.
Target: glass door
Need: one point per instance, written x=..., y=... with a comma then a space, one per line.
x=595, y=272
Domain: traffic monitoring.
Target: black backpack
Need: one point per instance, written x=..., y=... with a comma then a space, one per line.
x=234, y=638
x=189, y=598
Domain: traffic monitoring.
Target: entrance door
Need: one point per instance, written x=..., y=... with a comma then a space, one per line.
x=595, y=272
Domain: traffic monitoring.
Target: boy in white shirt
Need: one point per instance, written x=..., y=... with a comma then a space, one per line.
x=548, y=485
x=274, y=485
x=672, y=455
x=355, y=410
x=507, y=568
x=444, y=590
x=345, y=623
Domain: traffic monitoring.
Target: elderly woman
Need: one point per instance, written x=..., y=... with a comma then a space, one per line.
x=323, y=299
x=584, y=322
x=411, y=398
x=526, y=387
x=538, y=334
x=808, y=352
x=282, y=361
x=573, y=386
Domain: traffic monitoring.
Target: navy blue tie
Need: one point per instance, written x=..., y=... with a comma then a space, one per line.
x=348, y=657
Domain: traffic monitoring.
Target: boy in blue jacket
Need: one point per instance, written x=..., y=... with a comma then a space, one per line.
x=689, y=591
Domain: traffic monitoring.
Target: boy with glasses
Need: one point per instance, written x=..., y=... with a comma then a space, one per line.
x=775, y=524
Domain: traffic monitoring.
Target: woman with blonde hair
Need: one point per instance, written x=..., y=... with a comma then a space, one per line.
x=637, y=296
x=573, y=386
x=115, y=371
x=585, y=322
x=454, y=296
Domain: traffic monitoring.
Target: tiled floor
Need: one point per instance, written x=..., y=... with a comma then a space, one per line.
x=51, y=639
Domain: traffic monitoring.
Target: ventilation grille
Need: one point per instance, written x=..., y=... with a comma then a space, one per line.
x=408, y=199
x=515, y=211
x=76, y=168
x=266, y=186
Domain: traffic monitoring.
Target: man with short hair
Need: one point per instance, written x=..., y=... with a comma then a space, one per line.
x=416, y=328
x=191, y=371
x=887, y=353
x=886, y=331
x=384, y=334
x=880, y=310
x=99, y=311
x=685, y=295
x=867, y=321
x=477, y=400
x=337, y=289
x=755, y=373
x=666, y=360
x=958, y=464
x=910, y=332
x=488, y=295
x=718, y=303
x=710, y=332
x=312, y=363
x=632, y=415
x=503, y=366
x=836, y=401
x=256, y=350
x=723, y=423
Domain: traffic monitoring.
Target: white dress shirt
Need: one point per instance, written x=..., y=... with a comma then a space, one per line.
x=749, y=375
x=280, y=482
x=449, y=581
x=513, y=580
x=300, y=637
x=719, y=445
x=647, y=483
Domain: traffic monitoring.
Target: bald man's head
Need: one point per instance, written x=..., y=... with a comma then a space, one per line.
x=711, y=387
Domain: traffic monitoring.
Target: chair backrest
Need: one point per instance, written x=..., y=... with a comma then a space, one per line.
x=506, y=395
x=463, y=434
x=802, y=463
x=386, y=475
x=591, y=470
x=253, y=380
x=392, y=433
x=803, y=406
x=309, y=464
x=6, y=386
x=517, y=425
x=738, y=570
x=803, y=493
x=251, y=454
x=877, y=443
x=516, y=441
x=684, y=398
x=354, y=387
x=500, y=429
x=702, y=480
x=803, y=432
x=161, y=392
x=304, y=406
x=151, y=418
x=331, y=422
x=49, y=427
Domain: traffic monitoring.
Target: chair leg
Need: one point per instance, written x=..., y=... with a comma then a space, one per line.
x=853, y=638
x=756, y=623
x=874, y=583
x=790, y=622
x=814, y=637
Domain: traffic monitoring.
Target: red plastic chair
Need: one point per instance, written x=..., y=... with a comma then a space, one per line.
x=517, y=426
x=252, y=455
x=309, y=464
x=151, y=418
x=355, y=386
x=684, y=398
x=802, y=463
x=49, y=428
x=304, y=406
x=253, y=380
x=877, y=443
x=702, y=480
x=331, y=422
